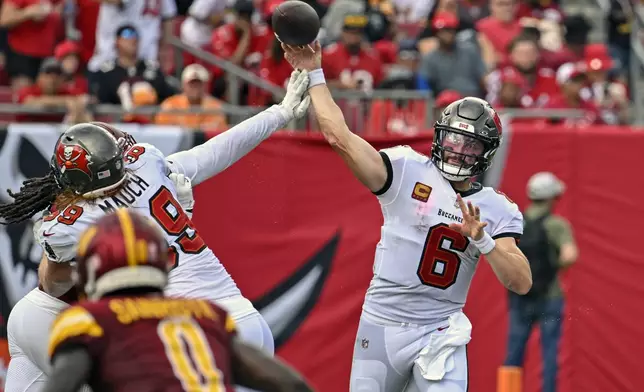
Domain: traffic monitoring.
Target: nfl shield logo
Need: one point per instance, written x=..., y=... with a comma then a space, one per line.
x=364, y=343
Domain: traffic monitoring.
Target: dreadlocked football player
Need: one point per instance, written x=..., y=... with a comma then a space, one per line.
x=437, y=223
x=96, y=169
x=128, y=336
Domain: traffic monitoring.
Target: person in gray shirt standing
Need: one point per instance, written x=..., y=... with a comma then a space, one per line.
x=451, y=66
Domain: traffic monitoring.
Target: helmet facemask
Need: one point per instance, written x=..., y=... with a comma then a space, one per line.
x=460, y=155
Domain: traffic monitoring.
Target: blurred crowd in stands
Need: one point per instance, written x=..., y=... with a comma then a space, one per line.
x=518, y=54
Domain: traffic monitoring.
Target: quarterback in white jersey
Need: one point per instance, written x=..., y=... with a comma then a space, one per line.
x=437, y=223
x=96, y=169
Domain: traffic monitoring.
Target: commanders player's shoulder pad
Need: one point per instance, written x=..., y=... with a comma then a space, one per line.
x=107, y=66
x=75, y=325
x=404, y=152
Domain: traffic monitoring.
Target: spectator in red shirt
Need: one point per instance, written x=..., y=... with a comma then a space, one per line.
x=68, y=54
x=572, y=79
x=608, y=93
x=498, y=30
x=576, y=33
x=351, y=63
x=34, y=28
x=275, y=69
x=86, y=21
x=524, y=58
x=241, y=42
x=49, y=92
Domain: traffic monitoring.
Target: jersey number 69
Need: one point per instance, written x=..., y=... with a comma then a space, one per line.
x=439, y=266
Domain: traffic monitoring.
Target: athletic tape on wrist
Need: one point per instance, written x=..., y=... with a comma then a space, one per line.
x=486, y=244
x=316, y=77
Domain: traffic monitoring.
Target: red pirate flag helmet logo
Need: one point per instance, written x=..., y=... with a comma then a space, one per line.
x=73, y=157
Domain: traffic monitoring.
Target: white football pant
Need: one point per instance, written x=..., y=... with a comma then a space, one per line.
x=384, y=358
x=30, y=322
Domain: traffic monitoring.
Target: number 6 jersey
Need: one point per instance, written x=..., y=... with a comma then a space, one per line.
x=197, y=273
x=422, y=268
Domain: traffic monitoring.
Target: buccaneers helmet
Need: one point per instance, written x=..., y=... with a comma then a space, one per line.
x=466, y=137
x=88, y=159
x=126, y=141
x=122, y=250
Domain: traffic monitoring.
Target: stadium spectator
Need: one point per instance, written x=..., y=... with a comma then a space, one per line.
x=142, y=95
x=275, y=69
x=112, y=83
x=194, y=81
x=572, y=79
x=86, y=22
x=333, y=22
x=203, y=17
x=576, y=33
x=498, y=30
x=511, y=91
x=549, y=245
x=619, y=28
x=68, y=54
x=452, y=66
x=241, y=42
x=150, y=18
x=351, y=63
x=468, y=12
x=407, y=116
x=540, y=81
x=540, y=9
x=34, y=27
x=49, y=92
x=609, y=94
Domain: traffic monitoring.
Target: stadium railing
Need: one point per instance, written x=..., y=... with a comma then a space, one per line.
x=372, y=113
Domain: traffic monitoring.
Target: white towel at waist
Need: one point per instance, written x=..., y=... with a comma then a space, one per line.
x=436, y=358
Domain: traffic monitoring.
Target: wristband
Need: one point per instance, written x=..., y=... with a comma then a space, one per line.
x=486, y=244
x=316, y=77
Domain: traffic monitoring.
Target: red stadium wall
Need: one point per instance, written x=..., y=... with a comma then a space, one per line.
x=292, y=205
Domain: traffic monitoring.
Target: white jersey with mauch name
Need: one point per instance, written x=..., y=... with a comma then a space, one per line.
x=422, y=269
x=148, y=191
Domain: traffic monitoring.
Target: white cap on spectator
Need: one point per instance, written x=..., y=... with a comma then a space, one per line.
x=569, y=71
x=195, y=72
x=544, y=186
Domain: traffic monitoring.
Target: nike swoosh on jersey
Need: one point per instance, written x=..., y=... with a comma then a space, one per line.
x=44, y=233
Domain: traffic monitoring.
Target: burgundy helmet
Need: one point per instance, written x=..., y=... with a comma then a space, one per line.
x=122, y=250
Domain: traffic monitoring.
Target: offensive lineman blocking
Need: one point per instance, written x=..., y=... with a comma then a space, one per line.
x=437, y=222
x=93, y=174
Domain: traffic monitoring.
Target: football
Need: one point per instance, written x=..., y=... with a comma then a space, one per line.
x=295, y=23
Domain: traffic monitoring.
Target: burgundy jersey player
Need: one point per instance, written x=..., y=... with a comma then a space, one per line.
x=128, y=337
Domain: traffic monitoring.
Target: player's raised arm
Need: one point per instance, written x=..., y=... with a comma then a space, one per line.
x=218, y=153
x=364, y=161
x=254, y=369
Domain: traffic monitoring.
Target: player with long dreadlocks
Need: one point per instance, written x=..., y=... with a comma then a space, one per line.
x=96, y=169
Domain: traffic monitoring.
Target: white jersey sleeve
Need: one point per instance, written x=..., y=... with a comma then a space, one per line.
x=55, y=235
x=396, y=160
x=510, y=223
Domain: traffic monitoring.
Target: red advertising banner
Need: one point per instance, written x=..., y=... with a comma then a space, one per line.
x=298, y=233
